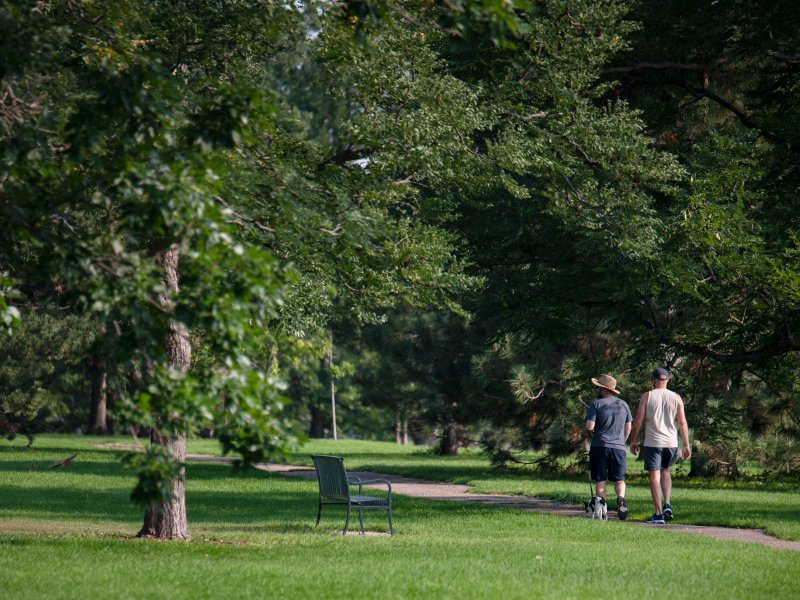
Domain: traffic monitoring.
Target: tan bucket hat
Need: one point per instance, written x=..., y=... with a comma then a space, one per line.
x=607, y=382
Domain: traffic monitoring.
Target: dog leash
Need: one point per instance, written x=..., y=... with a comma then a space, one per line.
x=591, y=491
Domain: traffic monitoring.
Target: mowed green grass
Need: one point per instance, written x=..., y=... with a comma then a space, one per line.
x=67, y=533
x=772, y=507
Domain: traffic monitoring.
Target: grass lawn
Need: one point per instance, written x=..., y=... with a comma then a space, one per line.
x=773, y=507
x=66, y=533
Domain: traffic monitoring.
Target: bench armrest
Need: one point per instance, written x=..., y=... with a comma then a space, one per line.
x=355, y=481
x=360, y=482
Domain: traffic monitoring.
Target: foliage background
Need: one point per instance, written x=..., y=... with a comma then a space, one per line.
x=458, y=213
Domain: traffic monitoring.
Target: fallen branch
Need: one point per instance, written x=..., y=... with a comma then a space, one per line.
x=64, y=462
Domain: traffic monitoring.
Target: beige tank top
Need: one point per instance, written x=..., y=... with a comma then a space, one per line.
x=659, y=419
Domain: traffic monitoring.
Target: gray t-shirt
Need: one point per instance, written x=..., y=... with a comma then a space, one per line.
x=609, y=416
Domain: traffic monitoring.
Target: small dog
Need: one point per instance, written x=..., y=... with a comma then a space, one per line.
x=597, y=507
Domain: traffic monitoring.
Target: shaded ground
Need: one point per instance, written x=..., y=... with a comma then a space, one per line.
x=431, y=490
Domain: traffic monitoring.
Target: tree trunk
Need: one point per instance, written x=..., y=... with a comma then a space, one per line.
x=449, y=443
x=316, y=428
x=167, y=521
x=333, y=389
x=707, y=464
x=98, y=424
x=398, y=428
x=401, y=427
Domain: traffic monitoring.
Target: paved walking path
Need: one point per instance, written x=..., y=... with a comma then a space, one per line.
x=432, y=490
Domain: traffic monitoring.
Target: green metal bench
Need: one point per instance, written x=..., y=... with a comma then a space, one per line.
x=335, y=488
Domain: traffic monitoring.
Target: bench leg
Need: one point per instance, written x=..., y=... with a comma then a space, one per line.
x=390, y=521
x=361, y=520
x=347, y=520
x=319, y=513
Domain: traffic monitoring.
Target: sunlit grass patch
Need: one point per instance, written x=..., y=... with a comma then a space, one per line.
x=254, y=536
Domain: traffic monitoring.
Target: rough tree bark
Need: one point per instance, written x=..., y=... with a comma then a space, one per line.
x=333, y=389
x=168, y=519
x=449, y=444
x=401, y=428
x=316, y=429
x=398, y=429
x=98, y=423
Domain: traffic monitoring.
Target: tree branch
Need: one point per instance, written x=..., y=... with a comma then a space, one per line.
x=472, y=151
x=536, y=396
x=789, y=57
x=705, y=93
x=404, y=181
x=660, y=66
x=526, y=118
x=347, y=155
x=407, y=17
x=572, y=187
x=240, y=219
x=335, y=231
x=784, y=343
x=61, y=219
x=740, y=114
x=594, y=164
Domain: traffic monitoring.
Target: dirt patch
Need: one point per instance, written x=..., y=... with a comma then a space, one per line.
x=229, y=460
x=43, y=527
x=115, y=446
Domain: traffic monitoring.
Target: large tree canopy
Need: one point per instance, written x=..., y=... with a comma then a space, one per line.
x=158, y=177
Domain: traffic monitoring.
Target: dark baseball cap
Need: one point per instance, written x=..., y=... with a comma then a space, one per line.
x=661, y=373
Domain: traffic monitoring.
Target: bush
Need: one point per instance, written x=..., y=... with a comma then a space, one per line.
x=44, y=382
x=779, y=454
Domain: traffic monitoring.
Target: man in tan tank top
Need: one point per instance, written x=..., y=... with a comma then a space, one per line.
x=661, y=411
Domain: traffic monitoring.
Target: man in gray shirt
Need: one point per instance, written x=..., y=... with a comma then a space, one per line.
x=609, y=417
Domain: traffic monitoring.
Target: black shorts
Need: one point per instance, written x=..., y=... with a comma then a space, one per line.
x=658, y=458
x=607, y=464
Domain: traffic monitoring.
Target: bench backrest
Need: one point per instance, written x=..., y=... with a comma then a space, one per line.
x=331, y=476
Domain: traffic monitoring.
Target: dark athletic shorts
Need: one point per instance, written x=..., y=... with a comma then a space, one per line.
x=659, y=458
x=607, y=464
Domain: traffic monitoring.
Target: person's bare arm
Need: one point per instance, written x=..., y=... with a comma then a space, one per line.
x=637, y=423
x=684, y=429
x=590, y=425
x=627, y=430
